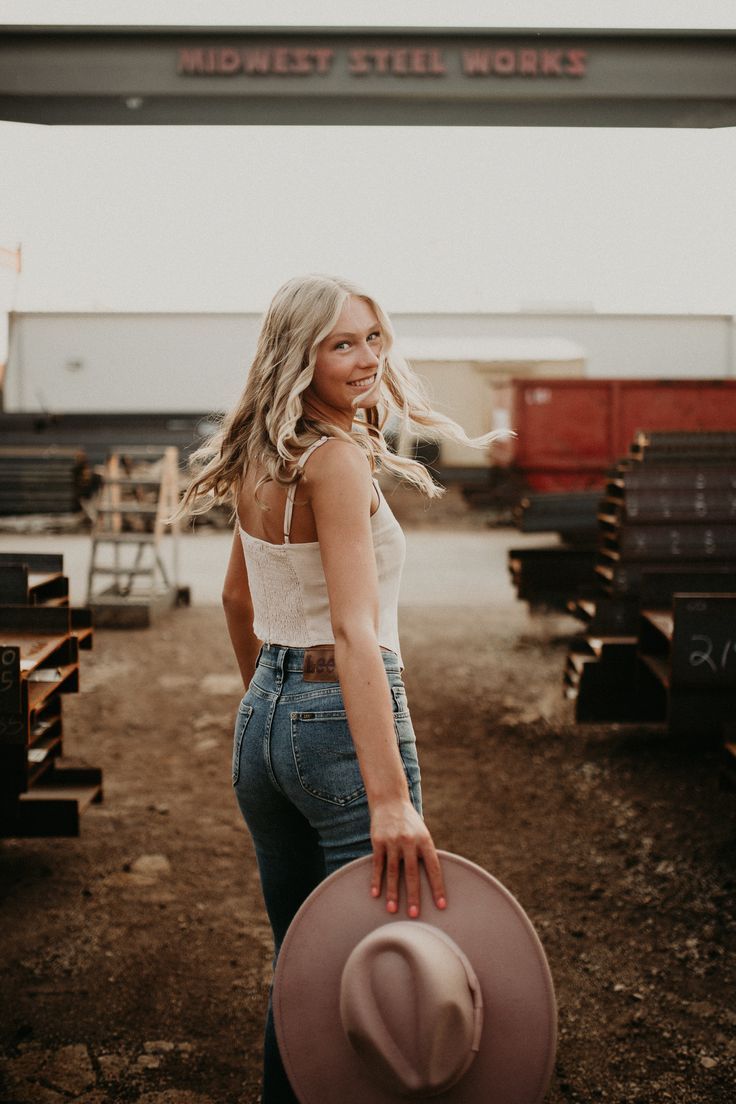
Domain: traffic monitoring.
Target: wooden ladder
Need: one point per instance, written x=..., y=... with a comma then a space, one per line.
x=140, y=492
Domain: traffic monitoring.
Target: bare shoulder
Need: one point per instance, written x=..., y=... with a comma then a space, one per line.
x=340, y=463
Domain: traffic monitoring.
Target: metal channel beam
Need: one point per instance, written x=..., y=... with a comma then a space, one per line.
x=346, y=76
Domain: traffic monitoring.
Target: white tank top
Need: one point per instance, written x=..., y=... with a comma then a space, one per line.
x=288, y=587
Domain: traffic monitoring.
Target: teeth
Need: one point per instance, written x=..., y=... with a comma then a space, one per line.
x=363, y=383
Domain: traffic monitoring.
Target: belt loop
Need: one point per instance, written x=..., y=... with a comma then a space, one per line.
x=281, y=663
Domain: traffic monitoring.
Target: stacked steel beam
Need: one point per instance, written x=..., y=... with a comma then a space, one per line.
x=571, y=514
x=43, y=480
x=666, y=528
x=100, y=433
x=674, y=509
x=547, y=577
x=691, y=652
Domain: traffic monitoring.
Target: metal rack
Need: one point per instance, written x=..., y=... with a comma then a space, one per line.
x=42, y=793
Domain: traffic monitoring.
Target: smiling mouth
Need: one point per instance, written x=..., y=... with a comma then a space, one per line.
x=365, y=383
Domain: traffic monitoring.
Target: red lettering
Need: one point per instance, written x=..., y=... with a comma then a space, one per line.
x=551, y=63
x=577, y=63
x=381, y=60
x=301, y=62
x=436, y=63
x=280, y=60
x=229, y=60
x=256, y=61
x=418, y=61
x=505, y=62
x=323, y=57
x=190, y=61
x=477, y=62
x=358, y=62
x=400, y=62
x=528, y=63
x=426, y=63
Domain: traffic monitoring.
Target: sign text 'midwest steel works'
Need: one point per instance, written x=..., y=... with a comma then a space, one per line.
x=401, y=61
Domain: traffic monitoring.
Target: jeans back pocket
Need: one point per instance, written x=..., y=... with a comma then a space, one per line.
x=245, y=712
x=325, y=758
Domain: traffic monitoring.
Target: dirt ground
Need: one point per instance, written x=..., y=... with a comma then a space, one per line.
x=136, y=958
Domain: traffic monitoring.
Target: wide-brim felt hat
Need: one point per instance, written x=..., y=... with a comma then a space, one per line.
x=373, y=1008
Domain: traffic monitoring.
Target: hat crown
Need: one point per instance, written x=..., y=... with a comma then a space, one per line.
x=411, y=1007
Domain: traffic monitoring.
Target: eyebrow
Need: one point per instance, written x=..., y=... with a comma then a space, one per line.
x=348, y=333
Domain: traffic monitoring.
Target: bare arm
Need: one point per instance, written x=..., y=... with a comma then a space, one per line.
x=238, y=606
x=340, y=491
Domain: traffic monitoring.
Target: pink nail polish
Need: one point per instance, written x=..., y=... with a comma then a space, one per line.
x=441, y=903
x=391, y=906
x=375, y=891
x=413, y=911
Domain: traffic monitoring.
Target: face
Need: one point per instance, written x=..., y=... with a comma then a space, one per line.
x=347, y=374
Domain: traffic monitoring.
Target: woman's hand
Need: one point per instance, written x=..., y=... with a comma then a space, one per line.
x=400, y=836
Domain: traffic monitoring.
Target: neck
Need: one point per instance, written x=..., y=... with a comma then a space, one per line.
x=323, y=412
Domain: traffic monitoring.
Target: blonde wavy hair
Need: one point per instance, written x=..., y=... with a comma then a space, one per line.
x=269, y=427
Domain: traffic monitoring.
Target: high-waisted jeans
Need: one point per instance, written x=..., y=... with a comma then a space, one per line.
x=298, y=784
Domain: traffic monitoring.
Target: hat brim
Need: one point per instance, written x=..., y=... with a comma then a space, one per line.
x=519, y=1037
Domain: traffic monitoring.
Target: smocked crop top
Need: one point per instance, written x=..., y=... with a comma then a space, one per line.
x=288, y=586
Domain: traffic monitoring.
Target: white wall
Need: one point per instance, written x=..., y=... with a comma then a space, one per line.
x=198, y=362
x=22, y=154
x=124, y=362
x=613, y=344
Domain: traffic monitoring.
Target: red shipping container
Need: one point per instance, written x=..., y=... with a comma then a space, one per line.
x=570, y=431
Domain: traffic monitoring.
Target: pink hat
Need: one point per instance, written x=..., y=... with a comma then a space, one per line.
x=371, y=1008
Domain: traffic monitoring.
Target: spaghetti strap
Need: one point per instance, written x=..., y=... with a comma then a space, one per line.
x=291, y=493
x=380, y=496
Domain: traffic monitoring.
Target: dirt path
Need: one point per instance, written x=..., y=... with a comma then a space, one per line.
x=136, y=958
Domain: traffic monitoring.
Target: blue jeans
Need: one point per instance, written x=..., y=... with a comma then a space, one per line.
x=298, y=784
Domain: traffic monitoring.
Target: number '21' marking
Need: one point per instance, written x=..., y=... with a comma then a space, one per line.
x=704, y=655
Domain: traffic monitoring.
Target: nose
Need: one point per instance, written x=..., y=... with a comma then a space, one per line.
x=369, y=355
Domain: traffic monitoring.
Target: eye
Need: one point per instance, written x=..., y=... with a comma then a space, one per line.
x=342, y=344
x=375, y=336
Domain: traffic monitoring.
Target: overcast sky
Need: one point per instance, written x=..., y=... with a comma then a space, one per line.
x=443, y=13
x=431, y=219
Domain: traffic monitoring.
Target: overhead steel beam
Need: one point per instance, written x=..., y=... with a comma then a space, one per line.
x=502, y=77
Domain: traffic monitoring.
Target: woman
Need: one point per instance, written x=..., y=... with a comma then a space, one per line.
x=324, y=759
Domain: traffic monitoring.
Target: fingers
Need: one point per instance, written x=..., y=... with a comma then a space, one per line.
x=388, y=858
x=391, y=859
x=403, y=841
x=434, y=875
x=392, y=880
x=411, y=876
x=379, y=854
